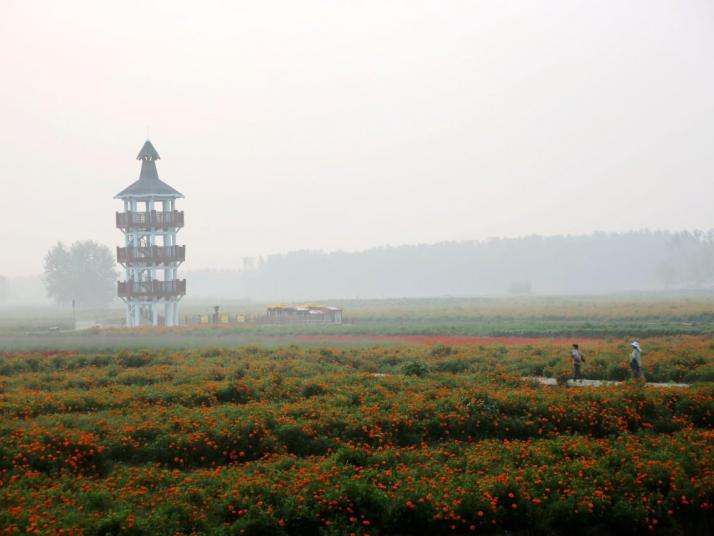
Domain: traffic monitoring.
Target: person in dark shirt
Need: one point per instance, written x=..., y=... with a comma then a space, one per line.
x=578, y=360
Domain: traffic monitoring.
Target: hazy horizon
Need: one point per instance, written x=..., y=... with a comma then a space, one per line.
x=240, y=265
x=323, y=126
x=595, y=264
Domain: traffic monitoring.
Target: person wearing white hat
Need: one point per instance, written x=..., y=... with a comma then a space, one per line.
x=636, y=361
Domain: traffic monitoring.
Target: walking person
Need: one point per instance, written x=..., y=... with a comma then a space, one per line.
x=578, y=360
x=636, y=362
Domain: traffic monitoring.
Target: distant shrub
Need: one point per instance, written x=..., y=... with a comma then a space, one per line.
x=58, y=362
x=483, y=404
x=454, y=366
x=352, y=456
x=390, y=361
x=596, y=368
x=415, y=368
x=113, y=523
x=701, y=374
x=534, y=369
x=137, y=379
x=235, y=392
x=256, y=523
x=299, y=442
x=134, y=360
x=98, y=500
x=441, y=350
x=100, y=361
x=368, y=501
x=33, y=363
x=313, y=389
x=617, y=373
x=326, y=352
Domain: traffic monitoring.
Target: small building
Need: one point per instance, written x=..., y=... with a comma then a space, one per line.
x=320, y=314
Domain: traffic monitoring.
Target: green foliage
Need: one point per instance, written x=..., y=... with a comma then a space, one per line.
x=236, y=392
x=313, y=389
x=256, y=523
x=454, y=366
x=700, y=374
x=352, y=456
x=617, y=372
x=134, y=360
x=441, y=350
x=415, y=368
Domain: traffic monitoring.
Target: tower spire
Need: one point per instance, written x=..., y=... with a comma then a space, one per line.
x=148, y=156
x=148, y=152
x=149, y=184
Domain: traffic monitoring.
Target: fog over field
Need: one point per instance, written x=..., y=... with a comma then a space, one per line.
x=356, y=134
x=593, y=264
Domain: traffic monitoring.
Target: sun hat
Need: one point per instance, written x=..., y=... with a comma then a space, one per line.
x=636, y=345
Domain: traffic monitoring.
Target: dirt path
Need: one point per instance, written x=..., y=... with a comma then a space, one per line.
x=596, y=383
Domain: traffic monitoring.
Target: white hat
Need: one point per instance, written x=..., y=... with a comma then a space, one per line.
x=636, y=345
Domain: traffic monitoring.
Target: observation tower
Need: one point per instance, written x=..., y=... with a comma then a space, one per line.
x=150, y=255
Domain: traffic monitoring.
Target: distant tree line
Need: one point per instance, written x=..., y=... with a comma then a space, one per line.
x=689, y=260
x=595, y=263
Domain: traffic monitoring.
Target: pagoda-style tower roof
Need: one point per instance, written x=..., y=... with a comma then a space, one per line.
x=149, y=184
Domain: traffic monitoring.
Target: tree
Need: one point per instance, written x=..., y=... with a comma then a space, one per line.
x=84, y=272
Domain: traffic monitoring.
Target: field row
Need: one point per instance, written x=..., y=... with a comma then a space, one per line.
x=631, y=483
x=360, y=412
x=676, y=359
x=372, y=440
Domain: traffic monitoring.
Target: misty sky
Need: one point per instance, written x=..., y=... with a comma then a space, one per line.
x=344, y=125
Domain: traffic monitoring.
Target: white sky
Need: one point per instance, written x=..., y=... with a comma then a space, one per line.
x=344, y=125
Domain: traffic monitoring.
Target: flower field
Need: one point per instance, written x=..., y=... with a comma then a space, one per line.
x=383, y=439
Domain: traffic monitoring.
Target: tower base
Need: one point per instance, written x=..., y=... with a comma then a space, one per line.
x=152, y=313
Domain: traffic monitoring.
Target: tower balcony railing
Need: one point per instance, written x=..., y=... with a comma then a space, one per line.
x=151, y=289
x=152, y=219
x=151, y=254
